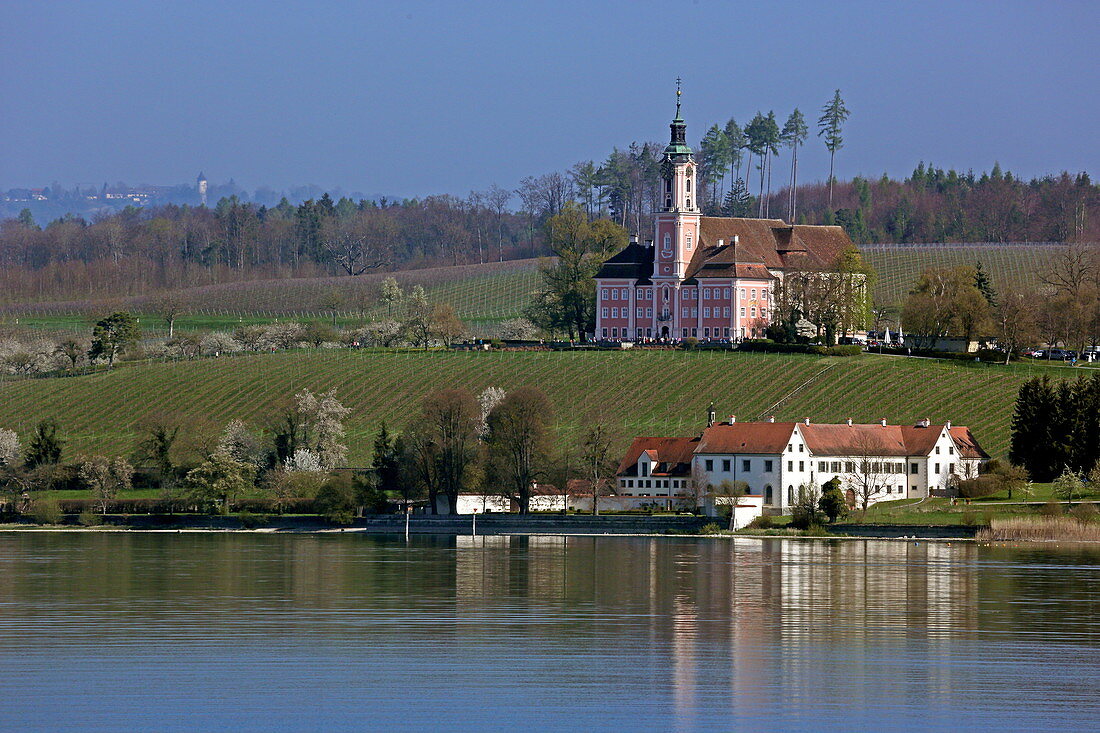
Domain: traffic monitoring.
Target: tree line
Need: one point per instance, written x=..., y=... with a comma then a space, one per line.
x=496, y=443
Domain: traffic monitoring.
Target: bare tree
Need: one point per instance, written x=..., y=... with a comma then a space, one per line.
x=447, y=442
x=360, y=242
x=867, y=473
x=518, y=443
x=1014, y=320
x=597, y=460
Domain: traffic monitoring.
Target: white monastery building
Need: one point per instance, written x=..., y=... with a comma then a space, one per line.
x=701, y=276
x=879, y=462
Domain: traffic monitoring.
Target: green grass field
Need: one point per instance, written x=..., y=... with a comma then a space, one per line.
x=639, y=393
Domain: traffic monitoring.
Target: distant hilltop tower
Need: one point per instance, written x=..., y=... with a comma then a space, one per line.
x=202, y=188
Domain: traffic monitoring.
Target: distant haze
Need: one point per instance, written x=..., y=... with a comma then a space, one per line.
x=410, y=98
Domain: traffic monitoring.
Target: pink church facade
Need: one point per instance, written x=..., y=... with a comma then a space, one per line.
x=710, y=278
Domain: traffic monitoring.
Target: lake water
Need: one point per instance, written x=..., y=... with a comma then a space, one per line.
x=125, y=631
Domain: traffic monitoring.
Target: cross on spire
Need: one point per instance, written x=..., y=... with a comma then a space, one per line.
x=678, y=93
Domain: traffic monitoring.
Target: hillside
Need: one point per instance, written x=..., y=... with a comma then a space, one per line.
x=650, y=393
x=899, y=265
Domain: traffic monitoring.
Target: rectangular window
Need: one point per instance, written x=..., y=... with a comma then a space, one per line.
x=725, y=464
x=752, y=295
x=645, y=468
x=801, y=466
x=708, y=464
x=706, y=293
x=913, y=469
x=614, y=312
x=603, y=293
x=950, y=450
x=694, y=312
x=727, y=330
x=951, y=468
x=639, y=312
x=790, y=465
x=754, y=311
x=937, y=450
x=763, y=294
x=937, y=468
x=742, y=293
x=605, y=333
x=694, y=332
x=639, y=334
x=746, y=465
x=822, y=466
x=648, y=312
x=686, y=295
x=706, y=312
x=706, y=332
x=742, y=311
x=603, y=312
x=801, y=448
x=768, y=466
x=685, y=333
x=614, y=332
x=726, y=293
x=849, y=466
x=835, y=466
x=726, y=313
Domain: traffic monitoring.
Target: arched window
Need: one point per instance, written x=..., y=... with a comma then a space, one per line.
x=689, y=184
x=790, y=495
x=768, y=494
x=668, y=185
x=668, y=241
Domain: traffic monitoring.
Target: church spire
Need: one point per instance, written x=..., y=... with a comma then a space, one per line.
x=678, y=143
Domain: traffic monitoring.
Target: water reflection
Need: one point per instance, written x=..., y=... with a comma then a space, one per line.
x=492, y=631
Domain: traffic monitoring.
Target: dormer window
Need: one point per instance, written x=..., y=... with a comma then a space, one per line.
x=645, y=468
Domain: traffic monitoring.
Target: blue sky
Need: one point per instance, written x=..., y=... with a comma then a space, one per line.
x=429, y=97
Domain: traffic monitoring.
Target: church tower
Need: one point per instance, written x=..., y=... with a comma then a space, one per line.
x=201, y=183
x=677, y=225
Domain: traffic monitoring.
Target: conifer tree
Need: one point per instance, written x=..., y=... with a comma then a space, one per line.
x=830, y=126
x=793, y=136
x=984, y=285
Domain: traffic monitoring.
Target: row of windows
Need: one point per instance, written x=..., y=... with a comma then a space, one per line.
x=615, y=312
x=614, y=332
x=685, y=294
x=650, y=483
x=870, y=467
x=746, y=465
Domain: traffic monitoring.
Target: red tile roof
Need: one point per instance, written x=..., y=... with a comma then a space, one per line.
x=672, y=456
x=966, y=443
x=746, y=437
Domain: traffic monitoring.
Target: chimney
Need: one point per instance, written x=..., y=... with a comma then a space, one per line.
x=806, y=420
x=947, y=424
x=733, y=419
x=925, y=422
x=649, y=244
x=710, y=415
x=633, y=238
x=883, y=422
x=721, y=242
x=736, y=240
x=771, y=418
x=849, y=422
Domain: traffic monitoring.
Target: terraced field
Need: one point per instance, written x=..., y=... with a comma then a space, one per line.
x=899, y=265
x=650, y=393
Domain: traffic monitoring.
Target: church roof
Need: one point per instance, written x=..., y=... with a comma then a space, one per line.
x=762, y=245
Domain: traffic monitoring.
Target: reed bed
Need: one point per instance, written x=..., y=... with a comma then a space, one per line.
x=1041, y=529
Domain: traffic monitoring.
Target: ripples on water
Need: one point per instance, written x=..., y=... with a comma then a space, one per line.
x=127, y=631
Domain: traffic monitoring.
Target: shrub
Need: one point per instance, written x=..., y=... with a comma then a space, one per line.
x=764, y=521
x=711, y=528
x=976, y=488
x=1051, y=509
x=46, y=511
x=1086, y=513
x=970, y=519
x=88, y=518
x=689, y=343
